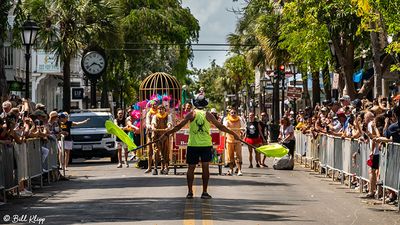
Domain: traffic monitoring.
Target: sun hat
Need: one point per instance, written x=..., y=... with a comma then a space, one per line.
x=53, y=114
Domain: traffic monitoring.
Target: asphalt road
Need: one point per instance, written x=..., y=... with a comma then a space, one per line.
x=100, y=193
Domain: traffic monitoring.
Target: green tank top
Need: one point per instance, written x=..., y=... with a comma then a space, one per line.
x=199, y=131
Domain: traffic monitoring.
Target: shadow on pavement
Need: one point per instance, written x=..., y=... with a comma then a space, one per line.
x=157, y=209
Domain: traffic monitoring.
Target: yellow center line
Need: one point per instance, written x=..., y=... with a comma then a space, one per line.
x=190, y=208
x=189, y=215
x=206, y=213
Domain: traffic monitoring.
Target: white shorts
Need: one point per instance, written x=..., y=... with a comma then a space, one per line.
x=121, y=144
x=68, y=145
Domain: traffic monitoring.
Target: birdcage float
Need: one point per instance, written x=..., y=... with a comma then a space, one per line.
x=168, y=91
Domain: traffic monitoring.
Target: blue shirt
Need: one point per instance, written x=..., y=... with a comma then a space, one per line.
x=394, y=132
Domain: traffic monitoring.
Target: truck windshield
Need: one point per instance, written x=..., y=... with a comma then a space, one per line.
x=94, y=122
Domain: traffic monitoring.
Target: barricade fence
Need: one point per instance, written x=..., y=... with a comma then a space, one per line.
x=23, y=162
x=349, y=157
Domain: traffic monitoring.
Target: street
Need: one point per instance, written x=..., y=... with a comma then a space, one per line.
x=100, y=193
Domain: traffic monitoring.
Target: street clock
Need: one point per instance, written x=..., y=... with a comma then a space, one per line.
x=93, y=64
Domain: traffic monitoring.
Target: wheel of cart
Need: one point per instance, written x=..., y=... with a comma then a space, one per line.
x=179, y=150
x=218, y=158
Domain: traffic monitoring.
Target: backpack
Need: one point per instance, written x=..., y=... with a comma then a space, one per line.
x=284, y=163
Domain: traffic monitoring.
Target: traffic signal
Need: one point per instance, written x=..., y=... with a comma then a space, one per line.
x=281, y=71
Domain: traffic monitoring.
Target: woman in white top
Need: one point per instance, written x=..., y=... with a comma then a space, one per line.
x=286, y=135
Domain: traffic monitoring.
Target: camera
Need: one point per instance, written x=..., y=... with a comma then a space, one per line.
x=388, y=113
x=38, y=123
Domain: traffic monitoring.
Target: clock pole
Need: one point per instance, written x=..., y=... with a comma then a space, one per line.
x=93, y=83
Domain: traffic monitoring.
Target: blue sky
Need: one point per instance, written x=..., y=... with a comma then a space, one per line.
x=216, y=22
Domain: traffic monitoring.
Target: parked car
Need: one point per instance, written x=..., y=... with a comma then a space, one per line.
x=91, y=139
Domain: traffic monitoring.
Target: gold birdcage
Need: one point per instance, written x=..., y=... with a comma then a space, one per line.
x=160, y=83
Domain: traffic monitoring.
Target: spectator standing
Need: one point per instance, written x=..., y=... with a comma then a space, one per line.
x=254, y=137
x=234, y=147
x=149, y=116
x=6, y=109
x=286, y=135
x=160, y=123
x=65, y=126
x=264, y=133
x=120, y=121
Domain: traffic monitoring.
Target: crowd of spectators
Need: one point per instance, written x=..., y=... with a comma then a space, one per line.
x=22, y=119
x=374, y=122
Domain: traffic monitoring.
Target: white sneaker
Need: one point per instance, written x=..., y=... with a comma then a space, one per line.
x=240, y=173
x=26, y=193
x=119, y=165
x=127, y=165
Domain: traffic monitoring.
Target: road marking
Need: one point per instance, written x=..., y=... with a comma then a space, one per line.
x=189, y=215
x=206, y=213
x=190, y=209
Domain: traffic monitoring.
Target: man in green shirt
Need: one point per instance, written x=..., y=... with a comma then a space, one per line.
x=199, y=144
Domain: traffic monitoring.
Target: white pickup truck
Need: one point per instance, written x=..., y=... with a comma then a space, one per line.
x=91, y=139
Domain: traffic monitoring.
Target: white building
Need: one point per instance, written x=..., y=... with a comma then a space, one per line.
x=46, y=78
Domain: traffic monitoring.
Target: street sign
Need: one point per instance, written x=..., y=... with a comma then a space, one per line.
x=294, y=92
x=77, y=93
x=288, y=74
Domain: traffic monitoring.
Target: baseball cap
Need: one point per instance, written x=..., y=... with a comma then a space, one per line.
x=356, y=102
x=63, y=115
x=213, y=110
x=340, y=113
x=40, y=106
x=345, y=98
x=396, y=98
x=39, y=112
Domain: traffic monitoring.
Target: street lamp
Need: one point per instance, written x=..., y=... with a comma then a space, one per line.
x=30, y=30
x=263, y=82
x=252, y=97
x=293, y=70
x=335, y=92
x=244, y=94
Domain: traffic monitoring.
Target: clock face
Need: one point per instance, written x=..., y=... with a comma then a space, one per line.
x=93, y=63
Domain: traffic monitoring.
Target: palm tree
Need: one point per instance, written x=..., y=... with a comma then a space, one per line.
x=69, y=26
x=5, y=7
x=257, y=37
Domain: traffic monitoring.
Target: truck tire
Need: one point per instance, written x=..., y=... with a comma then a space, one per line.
x=114, y=158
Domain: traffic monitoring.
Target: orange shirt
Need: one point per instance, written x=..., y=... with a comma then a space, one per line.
x=235, y=126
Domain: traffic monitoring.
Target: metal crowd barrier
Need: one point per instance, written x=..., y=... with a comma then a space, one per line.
x=10, y=168
x=322, y=154
x=52, y=157
x=392, y=169
x=35, y=159
x=349, y=157
x=300, y=144
x=21, y=158
x=22, y=162
x=2, y=178
x=363, y=156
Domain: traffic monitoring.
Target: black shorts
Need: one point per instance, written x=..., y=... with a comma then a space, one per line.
x=375, y=162
x=195, y=154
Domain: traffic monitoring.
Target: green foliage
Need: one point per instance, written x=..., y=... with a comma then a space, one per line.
x=147, y=22
x=212, y=81
x=304, y=37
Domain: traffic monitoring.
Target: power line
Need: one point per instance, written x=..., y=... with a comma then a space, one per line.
x=193, y=44
x=149, y=49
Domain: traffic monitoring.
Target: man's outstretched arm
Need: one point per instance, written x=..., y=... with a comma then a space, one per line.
x=179, y=126
x=220, y=126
